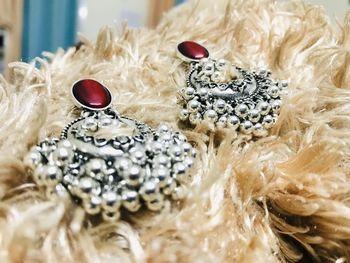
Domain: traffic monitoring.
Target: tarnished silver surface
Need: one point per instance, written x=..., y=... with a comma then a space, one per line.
x=231, y=97
x=105, y=161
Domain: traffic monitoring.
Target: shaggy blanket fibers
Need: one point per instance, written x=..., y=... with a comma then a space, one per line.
x=282, y=198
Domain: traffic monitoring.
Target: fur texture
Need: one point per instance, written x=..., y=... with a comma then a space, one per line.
x=282, y=198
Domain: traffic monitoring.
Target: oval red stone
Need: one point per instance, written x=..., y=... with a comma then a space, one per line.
x=192, y=50
x=91, y=94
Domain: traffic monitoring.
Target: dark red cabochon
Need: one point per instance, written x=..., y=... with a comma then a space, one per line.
x=91, y=94
x=192, y=50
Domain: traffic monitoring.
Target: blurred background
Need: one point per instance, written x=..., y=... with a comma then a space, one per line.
x=29, y=27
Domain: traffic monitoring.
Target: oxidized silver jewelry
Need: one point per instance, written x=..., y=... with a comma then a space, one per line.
x=226, y=95
x=106, y=162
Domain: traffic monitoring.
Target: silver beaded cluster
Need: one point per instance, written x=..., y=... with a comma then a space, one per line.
x=249, y=103
x=212, y=70
x=104, y=174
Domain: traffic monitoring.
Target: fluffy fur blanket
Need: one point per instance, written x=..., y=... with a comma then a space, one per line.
x=284, y=198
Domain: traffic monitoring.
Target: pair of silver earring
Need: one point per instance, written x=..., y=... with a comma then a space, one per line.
x=106, y=162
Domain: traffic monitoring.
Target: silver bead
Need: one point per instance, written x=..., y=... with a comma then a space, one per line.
x=105, y=122
x=222, y=122
x=203, y=93
x=283, y=84
x=247, y=127
x=110, y=216
x=221, y=64
x=264, y=107
x=52, y=175
x=161, y=160
x=62, y=156
x=134, y=175
x=176, y=152
x=169, y=186
x=209, y=68
x=179, y=193
x=254, y=115
x=110, y=201
x=184, y=113
x=193, y=105
x=70, y=179
x=131, y=200
x=156, y=204
x=195, y=118
x=180, y=171
x=220, y=106
x=156, y=147
x=138, y=156
x=210, y=116
x=163, y=129
x=263, y=73
x=90, y=124
x=268, y=121
x=87, y=186
x=188, y=161
x=181, y=137
x=276, y=106
x=186, y=147
x=48, y=146
x=233, y=122
x=203, y=61
x=122, y=165
x=165, y=137
x=258, y=130
x=273, y=91
x=161, y=174
x=241, y=110
x=92, y=205
x=96, y=168
x=189, y=93
x=33, y=159
x=149, y=190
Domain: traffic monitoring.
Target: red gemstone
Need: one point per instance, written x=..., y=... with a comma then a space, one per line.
x=91, y=94
x=192, y=50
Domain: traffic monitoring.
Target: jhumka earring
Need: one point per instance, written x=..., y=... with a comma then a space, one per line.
x=228, y=96
x=106, y=162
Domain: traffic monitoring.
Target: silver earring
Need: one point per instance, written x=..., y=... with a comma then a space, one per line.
x=228, y=96
x=106, y=162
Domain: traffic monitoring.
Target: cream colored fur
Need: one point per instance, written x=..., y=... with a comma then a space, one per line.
x=282, y=198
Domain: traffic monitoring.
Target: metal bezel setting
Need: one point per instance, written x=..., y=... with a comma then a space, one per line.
x=80, y=105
